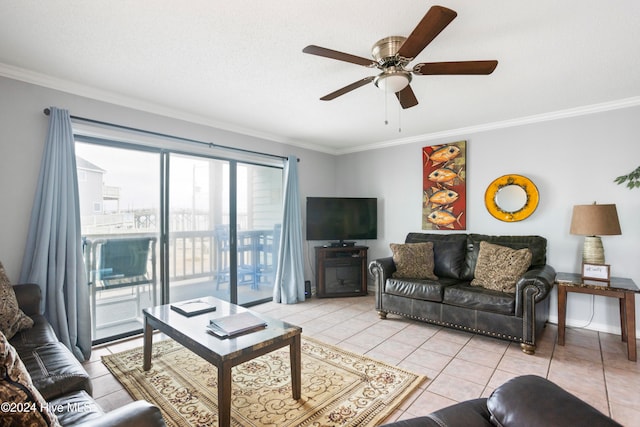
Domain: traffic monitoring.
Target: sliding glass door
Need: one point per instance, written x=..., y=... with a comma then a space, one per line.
x=223, y=229
x=119, y=206
x=160, y=227
x=259, y=212
x=198, y=221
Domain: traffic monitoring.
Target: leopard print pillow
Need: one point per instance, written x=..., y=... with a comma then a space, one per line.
x=499, y=267
x=413, y=260
x=12, y=319
x=24, y=404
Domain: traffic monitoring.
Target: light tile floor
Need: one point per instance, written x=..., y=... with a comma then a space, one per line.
x=458, y=365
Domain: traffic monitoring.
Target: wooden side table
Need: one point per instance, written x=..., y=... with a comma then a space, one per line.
x=621, y=288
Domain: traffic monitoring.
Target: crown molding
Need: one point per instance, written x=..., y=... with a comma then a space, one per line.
x=67, y=86
x=521, y=121
x=85, y=91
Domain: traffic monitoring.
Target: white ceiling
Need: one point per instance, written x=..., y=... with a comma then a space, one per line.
x=238, y=65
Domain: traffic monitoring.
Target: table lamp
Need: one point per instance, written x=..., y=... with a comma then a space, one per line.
x=593, y=221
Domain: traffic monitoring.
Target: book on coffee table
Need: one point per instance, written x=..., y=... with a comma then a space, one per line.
x=193, y=307
x=235, y=324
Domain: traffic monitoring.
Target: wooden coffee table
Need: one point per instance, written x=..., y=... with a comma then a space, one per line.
x=223, y=353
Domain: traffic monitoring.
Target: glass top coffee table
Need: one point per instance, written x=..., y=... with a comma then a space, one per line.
x=224, y=353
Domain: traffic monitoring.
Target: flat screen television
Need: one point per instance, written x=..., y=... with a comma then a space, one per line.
x=342, y=219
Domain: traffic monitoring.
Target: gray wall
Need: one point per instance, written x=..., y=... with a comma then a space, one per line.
x=571, y=161
x=23, y=129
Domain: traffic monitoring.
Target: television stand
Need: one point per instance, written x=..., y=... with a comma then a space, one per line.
x=341, y=271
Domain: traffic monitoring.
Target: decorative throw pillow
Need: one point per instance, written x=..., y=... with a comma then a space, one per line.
x=12, y=319
x=23, y=403
x=499, y=267
x=413, y=260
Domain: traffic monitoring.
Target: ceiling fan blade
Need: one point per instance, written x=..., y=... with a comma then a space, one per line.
x=435, y=20
x=340, y=56
x=407, y=98
x=346, y=89
x=456, y=67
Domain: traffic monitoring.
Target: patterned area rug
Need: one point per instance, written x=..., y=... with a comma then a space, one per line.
x=339, y=388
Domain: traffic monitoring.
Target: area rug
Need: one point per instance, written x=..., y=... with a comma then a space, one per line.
x=339, y=388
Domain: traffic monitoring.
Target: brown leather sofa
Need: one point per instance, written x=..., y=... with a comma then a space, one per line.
x=61, y=379
x=451, y=301
x=528, y=400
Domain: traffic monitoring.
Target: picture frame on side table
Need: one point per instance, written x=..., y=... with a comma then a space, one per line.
x=598, y=272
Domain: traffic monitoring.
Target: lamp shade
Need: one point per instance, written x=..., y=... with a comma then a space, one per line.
x=595, y=220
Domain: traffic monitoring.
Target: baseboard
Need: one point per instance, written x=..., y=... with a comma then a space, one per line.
x=592, y=326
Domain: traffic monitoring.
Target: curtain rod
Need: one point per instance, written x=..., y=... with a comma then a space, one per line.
x=165, y=135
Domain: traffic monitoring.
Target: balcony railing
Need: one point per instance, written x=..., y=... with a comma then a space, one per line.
x=198, y=265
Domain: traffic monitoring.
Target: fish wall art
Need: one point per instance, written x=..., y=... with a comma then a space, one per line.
x=444, y=195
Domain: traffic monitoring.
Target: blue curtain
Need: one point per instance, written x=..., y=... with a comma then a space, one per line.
x=53, y=256
x=289, y=281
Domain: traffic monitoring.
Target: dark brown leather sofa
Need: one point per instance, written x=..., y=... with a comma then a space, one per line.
x=528, y=400
x=61, y=379
x=451, y=301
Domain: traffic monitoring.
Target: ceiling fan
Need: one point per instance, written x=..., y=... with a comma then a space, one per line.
x=392, y=54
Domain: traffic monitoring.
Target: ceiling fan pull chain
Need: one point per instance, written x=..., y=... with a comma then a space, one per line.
x=386, y=108
x=400, y=112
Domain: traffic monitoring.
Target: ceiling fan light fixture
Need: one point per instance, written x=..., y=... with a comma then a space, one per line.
x=393, y=80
